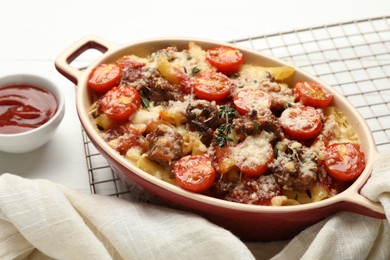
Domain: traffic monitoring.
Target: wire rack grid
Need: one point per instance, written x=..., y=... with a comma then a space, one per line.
x=353, y=57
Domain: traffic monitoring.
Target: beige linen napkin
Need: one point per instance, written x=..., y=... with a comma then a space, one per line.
x=40, y=219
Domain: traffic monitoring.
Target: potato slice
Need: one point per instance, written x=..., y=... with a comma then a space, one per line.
x=167, y=70
x=280, y=73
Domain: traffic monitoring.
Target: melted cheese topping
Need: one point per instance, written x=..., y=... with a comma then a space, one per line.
x=253, y=151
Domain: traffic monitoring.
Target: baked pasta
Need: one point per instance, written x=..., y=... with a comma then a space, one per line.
x=207, y=121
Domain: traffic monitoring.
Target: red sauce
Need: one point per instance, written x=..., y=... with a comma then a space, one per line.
x=24, y=107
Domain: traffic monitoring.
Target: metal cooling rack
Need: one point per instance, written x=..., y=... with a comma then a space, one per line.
x=353, y=57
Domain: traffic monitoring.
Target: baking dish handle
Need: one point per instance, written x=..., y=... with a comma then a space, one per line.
x=63, y=61
x=362, y=205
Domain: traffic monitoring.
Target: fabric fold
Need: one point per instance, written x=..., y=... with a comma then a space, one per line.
x=377, y=187
x=65, y=224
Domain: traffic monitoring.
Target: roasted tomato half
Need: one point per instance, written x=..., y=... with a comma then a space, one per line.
x=105, y=77
x=225, y=59
x=312, y=94
x=344, y=161
x=194, y=173
x=120, y=102
x=301, y=122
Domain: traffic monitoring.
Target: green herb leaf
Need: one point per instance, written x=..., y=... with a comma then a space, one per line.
x=195, y=70
x=255, y=126
x=276, y=152
x=235, y=75
x=145, y=103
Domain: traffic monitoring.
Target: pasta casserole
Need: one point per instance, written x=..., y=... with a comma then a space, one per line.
x=211, y=123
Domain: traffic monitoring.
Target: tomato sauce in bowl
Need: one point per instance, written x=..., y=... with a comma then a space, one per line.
x=24, y=107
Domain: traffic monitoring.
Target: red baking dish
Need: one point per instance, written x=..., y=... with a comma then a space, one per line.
x=248, y=222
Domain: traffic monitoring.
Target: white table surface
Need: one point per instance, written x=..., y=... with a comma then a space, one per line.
x=34, y=33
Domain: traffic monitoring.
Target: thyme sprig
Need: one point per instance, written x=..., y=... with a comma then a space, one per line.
x=224, y=130
x=223, y=137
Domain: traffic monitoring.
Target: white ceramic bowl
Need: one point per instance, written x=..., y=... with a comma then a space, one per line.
x=36, y=137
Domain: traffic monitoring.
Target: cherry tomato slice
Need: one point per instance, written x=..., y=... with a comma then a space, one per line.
x=312, y=94
x=301, y=122
x=104, y=77
x=120, y=102
x=225, y=59
x=194, y=173
x=253, y=155
x=344, y=161
x=248, y=100
x=212, y=86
